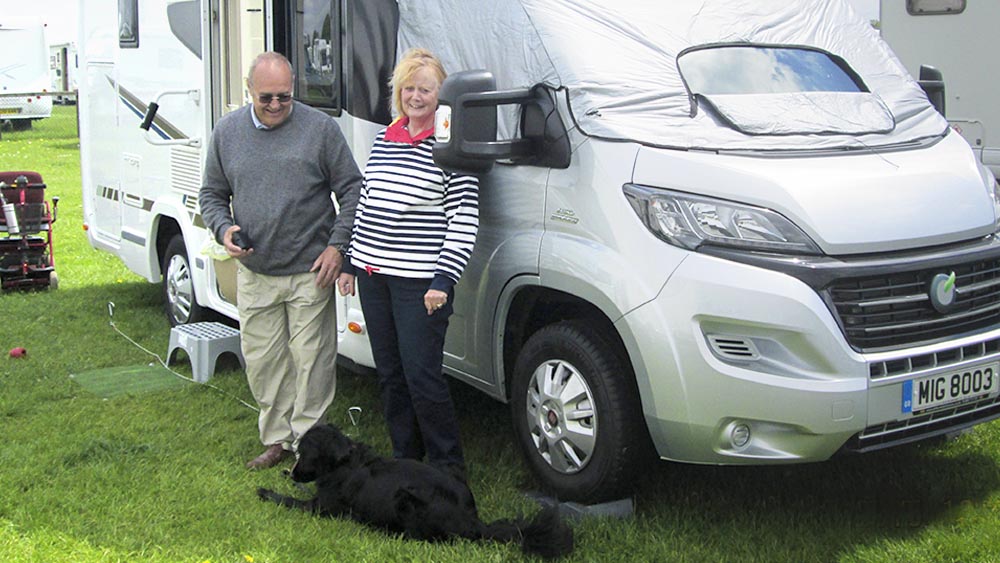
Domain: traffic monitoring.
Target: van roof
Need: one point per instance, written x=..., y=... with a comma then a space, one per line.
x=618, y=65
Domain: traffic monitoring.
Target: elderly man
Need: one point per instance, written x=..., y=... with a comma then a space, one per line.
x=266, y=196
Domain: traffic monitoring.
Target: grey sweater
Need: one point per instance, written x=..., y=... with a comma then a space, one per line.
x=279, y=182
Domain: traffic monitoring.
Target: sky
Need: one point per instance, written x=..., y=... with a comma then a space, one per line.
x=60, y=15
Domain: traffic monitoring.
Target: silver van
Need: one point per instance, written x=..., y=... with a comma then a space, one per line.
x=737, y=229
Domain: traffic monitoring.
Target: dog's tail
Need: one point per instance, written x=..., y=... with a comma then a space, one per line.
x=545, y=535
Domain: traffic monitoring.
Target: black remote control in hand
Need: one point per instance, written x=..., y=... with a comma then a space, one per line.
x=240, y=240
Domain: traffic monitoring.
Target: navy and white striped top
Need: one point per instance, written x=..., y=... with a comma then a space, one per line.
x=414, y=220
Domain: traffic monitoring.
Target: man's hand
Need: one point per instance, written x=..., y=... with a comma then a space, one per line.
x=231, y=248
x=327, y=267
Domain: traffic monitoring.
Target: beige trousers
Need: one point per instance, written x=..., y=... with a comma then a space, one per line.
x=289, y=342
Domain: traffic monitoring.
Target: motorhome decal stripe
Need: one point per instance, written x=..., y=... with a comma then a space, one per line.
x=141, y=203
x=133, y=238
x=160, y=126
x=109, y=193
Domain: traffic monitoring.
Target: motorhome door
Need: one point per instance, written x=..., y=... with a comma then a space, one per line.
x=238, y=35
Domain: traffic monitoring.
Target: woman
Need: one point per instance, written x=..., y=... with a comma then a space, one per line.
x=414, y=231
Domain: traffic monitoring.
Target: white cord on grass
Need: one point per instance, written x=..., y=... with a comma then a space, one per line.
x=111, y=316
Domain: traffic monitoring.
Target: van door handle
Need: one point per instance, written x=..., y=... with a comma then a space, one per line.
x=149, y=120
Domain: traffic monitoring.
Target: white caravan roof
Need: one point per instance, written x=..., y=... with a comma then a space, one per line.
x=618, y=63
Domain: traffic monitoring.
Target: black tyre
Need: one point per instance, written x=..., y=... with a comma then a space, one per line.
x=576, y=413
x=179, y=301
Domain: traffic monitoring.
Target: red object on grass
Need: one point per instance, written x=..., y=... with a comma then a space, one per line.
x=18, y=352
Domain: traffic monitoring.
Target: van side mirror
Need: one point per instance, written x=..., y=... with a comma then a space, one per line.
x=466, y=126
x=932, y=81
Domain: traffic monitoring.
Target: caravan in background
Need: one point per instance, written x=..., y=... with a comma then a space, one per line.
x=24, y=72
x=62, y=69
x=955, y=38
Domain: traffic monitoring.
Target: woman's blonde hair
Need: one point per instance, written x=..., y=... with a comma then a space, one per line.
x=411, y=62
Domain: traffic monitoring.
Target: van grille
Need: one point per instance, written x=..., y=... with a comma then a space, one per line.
x=927, y=425
x=894, y=310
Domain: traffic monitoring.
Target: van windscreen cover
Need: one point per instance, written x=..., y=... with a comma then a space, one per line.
x=618, y=64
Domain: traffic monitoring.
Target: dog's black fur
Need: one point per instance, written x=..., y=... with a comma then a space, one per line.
x=406, y=496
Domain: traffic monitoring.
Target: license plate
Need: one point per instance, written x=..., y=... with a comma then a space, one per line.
x=7, y=111
x=936, y=390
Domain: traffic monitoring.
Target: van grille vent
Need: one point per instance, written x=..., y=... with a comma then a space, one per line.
x=733, y=348
x=894, y=310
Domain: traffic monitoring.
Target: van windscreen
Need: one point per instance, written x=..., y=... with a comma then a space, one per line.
x=751, y=69
x=777, y=91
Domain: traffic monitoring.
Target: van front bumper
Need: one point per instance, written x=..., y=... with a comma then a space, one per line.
x=738, y=364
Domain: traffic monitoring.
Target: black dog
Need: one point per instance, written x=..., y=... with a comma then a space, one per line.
x=406, y=496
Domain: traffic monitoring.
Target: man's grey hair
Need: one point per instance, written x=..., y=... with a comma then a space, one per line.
x=268, y=56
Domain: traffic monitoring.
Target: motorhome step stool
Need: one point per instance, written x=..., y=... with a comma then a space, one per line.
x=204, y=343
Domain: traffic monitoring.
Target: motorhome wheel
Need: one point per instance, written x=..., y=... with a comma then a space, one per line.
x=575, y=413
x=179, y=301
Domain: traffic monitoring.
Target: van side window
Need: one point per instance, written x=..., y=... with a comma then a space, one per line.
x=371, y=34
x=316, y=52
x=185, y=24
x=128, y=24
x=934, y=7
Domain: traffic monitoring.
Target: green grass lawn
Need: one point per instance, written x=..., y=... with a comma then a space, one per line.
x=158, y=476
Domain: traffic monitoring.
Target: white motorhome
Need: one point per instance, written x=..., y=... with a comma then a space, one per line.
x=24, y=72
x=62, y=71
x=955, y=37
x=734, y=231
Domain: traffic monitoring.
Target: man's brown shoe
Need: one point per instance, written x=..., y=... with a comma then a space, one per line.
x=271, y=456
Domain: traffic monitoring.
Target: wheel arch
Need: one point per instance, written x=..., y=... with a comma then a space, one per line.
x=165, y=227
x=533, y=307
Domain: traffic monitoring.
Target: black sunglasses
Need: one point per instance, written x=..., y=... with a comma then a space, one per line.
x=266, y=98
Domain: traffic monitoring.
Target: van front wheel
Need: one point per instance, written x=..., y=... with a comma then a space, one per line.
x=576, y=413
x=179, y=301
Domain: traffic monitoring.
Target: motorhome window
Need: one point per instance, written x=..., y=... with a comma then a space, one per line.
x=316, y=52
x=747, y=69
x=128, y=24
x=934, y=7
x=372, y=36
x=185, y=24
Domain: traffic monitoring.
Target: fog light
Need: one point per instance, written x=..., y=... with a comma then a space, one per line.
x=739, y=436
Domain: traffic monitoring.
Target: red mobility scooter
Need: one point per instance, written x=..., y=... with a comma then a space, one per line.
x=26, y=233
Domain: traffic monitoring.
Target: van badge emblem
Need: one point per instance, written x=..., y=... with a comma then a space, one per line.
x=942, y=292
x=565, y=215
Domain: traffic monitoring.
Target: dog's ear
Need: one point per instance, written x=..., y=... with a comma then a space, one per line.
x=341, y=447
x=313, y=456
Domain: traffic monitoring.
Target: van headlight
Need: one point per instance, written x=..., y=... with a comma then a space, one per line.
x=990, y=180
x=689, y=221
